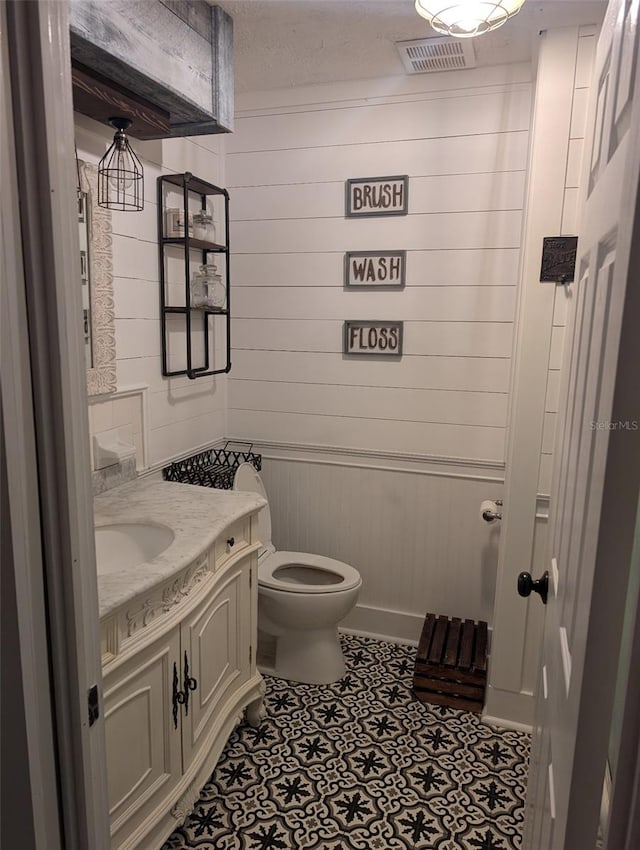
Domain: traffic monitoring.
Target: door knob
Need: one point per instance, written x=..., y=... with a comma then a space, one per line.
x=526, y=584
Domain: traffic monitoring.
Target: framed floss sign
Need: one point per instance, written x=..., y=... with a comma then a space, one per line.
x=379, y=269
x=375, y=196
x=375, y=339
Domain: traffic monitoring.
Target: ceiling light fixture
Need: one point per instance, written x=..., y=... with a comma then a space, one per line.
x=466, y=18
x=120, y=173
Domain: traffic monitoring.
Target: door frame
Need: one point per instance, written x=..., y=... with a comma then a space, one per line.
x=54, y=558
x=517, y=623
x=27, y=730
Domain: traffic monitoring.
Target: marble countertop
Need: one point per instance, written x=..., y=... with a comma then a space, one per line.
x=196, y=515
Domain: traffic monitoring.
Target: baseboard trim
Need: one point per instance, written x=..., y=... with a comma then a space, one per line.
x=384, y=624
x=505, y=723
x=509, y=710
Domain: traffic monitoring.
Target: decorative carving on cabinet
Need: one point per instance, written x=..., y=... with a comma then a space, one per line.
x=172, y=594
x=186, y=803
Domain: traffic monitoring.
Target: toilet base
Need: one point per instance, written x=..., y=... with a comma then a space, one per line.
x=312, y=657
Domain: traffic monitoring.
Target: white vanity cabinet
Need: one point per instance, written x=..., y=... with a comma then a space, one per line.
x=178, y=671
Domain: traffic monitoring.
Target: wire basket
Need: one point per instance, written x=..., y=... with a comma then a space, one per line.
x=212, y=468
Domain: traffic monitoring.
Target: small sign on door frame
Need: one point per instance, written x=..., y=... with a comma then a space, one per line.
x=372, y=338
x=558, y=259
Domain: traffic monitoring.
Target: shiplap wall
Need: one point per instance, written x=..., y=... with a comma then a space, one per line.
x=354, y=450
x=178, y=415
x=584, y=66
x=462, y=139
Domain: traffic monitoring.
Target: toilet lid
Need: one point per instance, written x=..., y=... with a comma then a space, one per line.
x=303, y=572
x=247, y=480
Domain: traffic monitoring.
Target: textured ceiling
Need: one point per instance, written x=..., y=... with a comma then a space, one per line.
x=286, y=43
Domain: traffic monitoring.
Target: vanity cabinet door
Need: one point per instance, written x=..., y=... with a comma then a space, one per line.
x=216, y=643
x=143, y=746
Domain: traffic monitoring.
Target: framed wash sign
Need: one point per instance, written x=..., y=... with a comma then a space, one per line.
x=379, y=339
x=369, y=196
x=374, y=268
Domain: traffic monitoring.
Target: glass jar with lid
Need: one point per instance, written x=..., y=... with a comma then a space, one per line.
x=199, y=289
x=203, y=226
x=216, y=290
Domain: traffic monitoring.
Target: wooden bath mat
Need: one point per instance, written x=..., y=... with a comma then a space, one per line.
x=451, y=663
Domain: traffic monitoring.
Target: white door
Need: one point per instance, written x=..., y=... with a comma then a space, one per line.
x=596, y=474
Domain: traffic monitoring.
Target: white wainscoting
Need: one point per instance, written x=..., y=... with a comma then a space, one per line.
x=412, y=528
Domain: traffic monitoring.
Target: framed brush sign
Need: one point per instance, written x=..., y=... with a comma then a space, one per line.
x=376, y=196
x=375, y=339
x=380, y=269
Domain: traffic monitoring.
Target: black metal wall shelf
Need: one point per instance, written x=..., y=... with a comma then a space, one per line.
x=210, y=247
x=191, y=186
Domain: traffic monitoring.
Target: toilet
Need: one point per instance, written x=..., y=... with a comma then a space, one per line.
x=301, y=600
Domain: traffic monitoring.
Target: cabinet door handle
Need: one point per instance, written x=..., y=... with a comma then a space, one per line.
x=178, y=697
x=189, y=684
x=231, y=542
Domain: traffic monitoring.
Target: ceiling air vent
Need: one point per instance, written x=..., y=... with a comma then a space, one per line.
x=426, y=55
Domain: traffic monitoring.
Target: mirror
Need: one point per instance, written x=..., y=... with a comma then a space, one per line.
x=96, y=272
x=83, y=232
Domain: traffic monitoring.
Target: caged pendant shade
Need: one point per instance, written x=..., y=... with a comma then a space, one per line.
x=466, y=18
x=120, y=173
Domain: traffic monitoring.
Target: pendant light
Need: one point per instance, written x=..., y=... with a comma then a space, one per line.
x=120, y=173
x=466, y=18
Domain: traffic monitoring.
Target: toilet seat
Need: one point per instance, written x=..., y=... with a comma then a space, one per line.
x=317, y=574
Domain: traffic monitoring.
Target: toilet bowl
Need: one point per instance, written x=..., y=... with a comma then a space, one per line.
x=301, y=599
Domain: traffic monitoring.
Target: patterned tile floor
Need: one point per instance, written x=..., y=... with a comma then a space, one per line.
x=362, y=765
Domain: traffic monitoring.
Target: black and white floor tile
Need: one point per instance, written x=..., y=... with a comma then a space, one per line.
x=362, y=765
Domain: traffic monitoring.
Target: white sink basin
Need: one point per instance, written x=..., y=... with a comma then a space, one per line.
x=124, y=545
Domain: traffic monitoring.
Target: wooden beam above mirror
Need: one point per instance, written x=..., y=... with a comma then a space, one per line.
x=99, y=98
x=168, y=65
